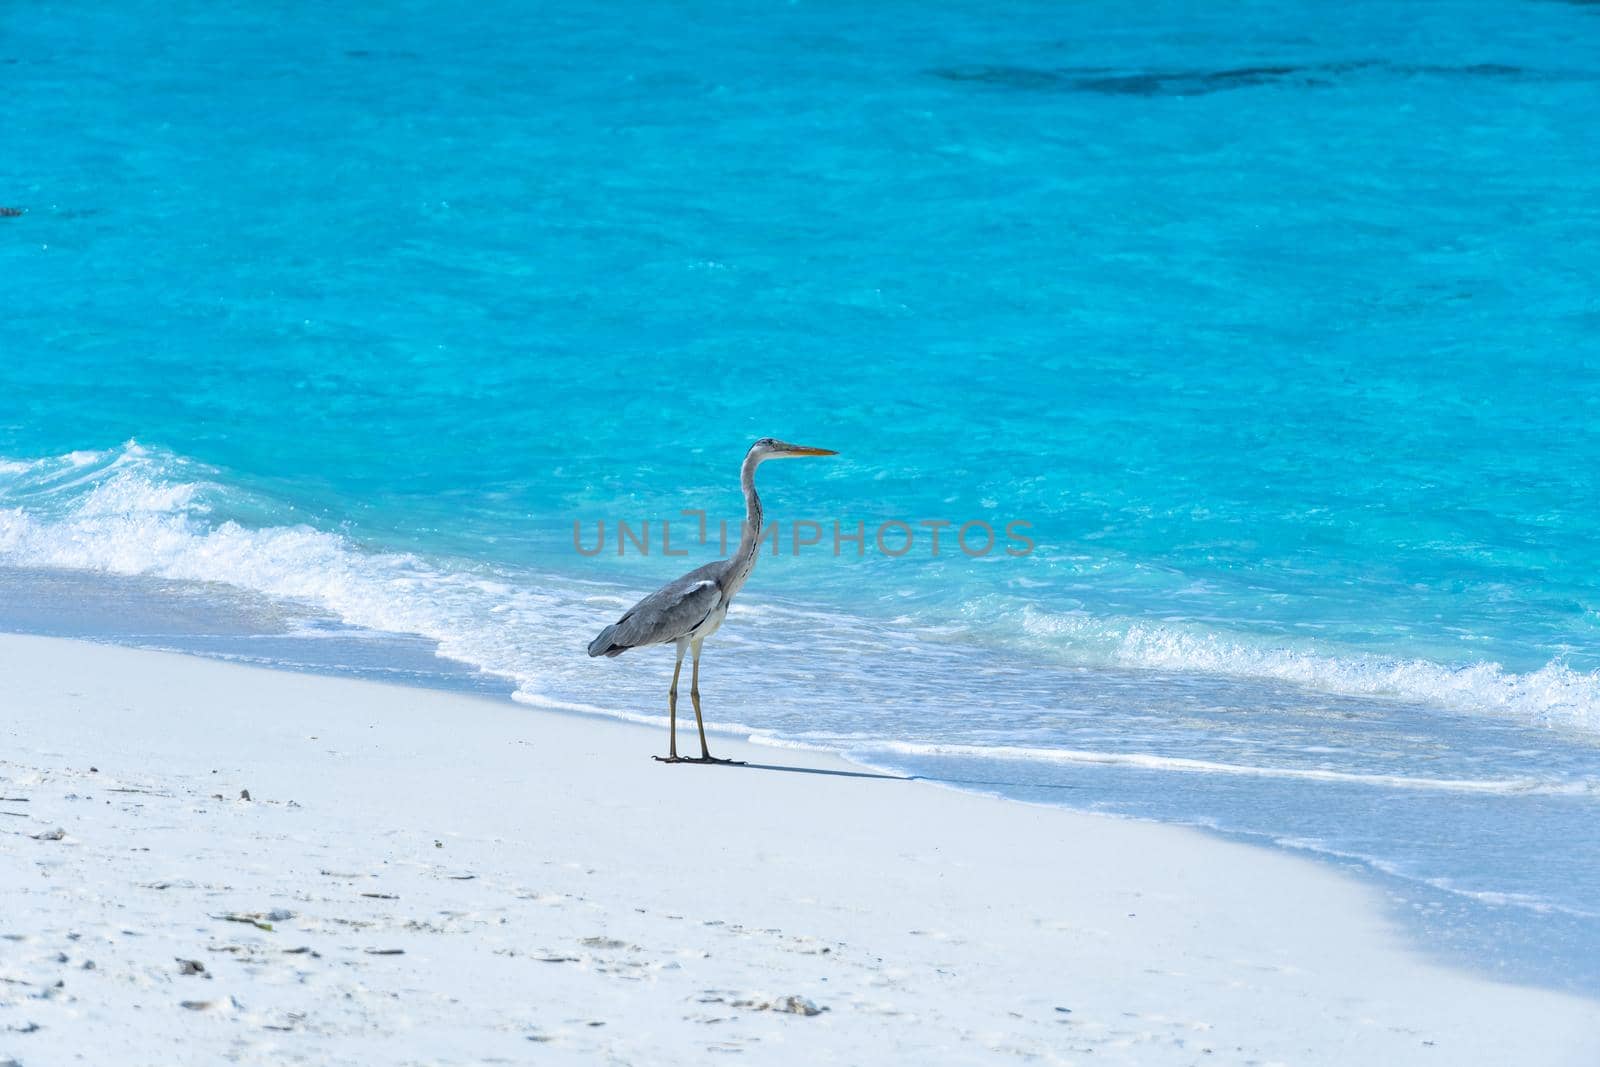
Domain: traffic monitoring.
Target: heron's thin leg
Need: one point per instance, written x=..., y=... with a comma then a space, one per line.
x=672, y=709
x=694, y=695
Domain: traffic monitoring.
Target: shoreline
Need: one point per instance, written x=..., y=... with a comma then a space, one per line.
x=569, y=882
x=1489, y=930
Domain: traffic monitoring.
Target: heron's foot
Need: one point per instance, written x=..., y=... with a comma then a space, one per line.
x=708, y=758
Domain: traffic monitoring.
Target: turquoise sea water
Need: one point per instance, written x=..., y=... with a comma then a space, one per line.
x=1276, y=322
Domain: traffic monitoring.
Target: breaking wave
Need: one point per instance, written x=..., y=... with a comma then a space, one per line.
x=1555, y=695
x=135, y=510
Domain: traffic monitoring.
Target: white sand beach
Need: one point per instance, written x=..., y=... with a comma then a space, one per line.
x=420, y=877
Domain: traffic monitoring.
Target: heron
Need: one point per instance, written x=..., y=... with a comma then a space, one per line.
x=686, y=612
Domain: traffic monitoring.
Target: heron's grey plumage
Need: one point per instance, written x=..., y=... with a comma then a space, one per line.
x=689, y=610
x=667, y=614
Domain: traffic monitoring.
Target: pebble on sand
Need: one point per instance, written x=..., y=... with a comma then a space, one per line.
x=790, y=1005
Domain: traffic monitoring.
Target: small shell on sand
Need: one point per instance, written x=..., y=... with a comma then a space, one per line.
x=790, y=1005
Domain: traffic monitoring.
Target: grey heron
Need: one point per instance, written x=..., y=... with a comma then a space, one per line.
x=689, y=610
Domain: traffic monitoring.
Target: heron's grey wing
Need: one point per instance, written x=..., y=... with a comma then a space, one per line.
x=665, y=615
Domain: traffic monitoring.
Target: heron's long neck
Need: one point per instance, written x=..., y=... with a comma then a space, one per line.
x=744, y=560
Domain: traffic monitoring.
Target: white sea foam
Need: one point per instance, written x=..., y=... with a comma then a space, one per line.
x=1147, y=761
x=539, y=700
x=138, y=511
x=128, y=516
x=1554, y=695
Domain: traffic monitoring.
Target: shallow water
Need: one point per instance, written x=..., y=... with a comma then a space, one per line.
x=1275, y=323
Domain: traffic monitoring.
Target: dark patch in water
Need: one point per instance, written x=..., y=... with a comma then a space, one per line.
x=1187, y=84
x=12, y=212
x=1474, y=70
x=362, y=53
x=1197, y=82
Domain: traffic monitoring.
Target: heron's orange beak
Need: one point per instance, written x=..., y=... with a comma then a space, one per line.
x=802, y=450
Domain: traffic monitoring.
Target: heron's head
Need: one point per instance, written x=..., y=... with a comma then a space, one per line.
x=772, y=448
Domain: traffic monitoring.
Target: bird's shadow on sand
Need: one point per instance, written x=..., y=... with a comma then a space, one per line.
x=821, y=770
